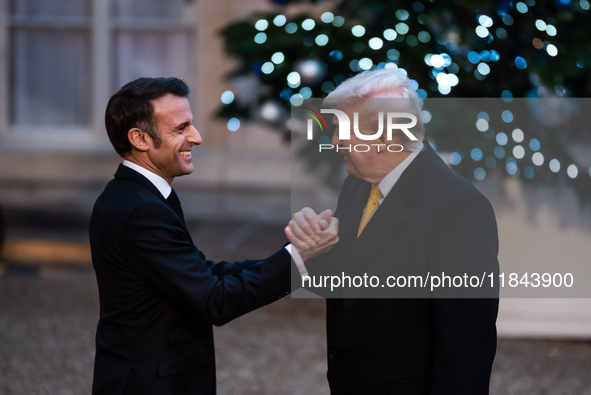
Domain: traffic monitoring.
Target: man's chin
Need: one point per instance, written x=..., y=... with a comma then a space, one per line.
x=351, y=170
x=186, y=170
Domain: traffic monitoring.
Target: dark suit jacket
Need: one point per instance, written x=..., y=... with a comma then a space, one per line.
x=159, y=296
x=432, y=221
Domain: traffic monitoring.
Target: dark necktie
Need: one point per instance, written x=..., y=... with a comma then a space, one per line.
x=175, y=204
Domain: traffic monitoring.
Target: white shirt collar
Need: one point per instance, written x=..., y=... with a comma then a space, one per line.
x=392, y=178
x=159, y=182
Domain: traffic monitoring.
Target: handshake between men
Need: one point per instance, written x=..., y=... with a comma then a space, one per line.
x=312, y=234
x=159, y=295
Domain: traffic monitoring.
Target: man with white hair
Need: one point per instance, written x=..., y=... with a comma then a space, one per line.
x=403, y=212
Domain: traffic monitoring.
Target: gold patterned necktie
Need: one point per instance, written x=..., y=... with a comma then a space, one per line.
x=370, y=208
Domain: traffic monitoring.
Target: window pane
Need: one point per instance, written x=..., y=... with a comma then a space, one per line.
x=147, y=54
x=50, y=7
x=49, y=72
x=149, y=8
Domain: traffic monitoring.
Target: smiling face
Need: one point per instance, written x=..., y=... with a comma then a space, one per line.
x=174, y=121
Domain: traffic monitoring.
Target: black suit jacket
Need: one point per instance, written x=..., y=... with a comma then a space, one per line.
x=432, y=221
x=159, y=296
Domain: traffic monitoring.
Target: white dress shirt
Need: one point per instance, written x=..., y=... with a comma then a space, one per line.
x=392, y=178
x=160, y=183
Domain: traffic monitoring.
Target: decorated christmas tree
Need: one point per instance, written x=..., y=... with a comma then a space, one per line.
x=508, y=51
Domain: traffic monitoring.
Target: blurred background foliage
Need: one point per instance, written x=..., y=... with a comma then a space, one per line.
x=532, y=57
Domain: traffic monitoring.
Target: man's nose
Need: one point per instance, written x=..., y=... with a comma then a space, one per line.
x=194, y=137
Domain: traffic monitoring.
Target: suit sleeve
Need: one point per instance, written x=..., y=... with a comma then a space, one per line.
x=465, y=241
x=160, y=252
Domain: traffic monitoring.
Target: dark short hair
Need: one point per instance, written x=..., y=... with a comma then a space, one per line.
x=131, y=107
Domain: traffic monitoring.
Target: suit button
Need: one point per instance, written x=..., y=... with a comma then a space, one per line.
x=332, y=354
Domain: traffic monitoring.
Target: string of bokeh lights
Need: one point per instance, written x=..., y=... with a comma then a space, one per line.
x=511, y=146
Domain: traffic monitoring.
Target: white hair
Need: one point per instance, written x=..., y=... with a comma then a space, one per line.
x=372, y=83
x=382, y=84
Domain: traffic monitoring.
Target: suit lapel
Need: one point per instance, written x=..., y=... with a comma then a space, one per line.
x=383, y=225
x=351, y=216
x=125, y=172
x=389, y=217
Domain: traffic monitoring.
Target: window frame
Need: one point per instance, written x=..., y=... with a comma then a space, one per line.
x=102, y=26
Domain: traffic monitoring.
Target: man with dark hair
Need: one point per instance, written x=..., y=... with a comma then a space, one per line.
x=158, y=294
x=132, y=107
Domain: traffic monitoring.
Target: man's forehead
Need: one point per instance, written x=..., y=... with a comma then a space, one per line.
x=169, y=100
x=172, y=106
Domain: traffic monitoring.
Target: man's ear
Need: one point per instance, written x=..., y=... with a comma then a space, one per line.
x=138, y=139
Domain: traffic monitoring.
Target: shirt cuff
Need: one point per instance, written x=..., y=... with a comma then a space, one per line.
x=297, y=259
